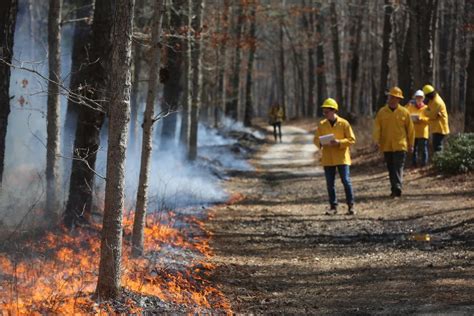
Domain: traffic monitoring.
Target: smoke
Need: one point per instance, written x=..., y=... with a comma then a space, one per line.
x=174, y=182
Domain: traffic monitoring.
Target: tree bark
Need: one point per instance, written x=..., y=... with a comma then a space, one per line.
x=79, y=60
x=197, y=86
x=172, y=85
x=249, y=110
x=469, y=110
x=321, y=66
x=142, y=192
x=52, y=145
x=386, y=44
x=91, y=118
x=337, y=53
x=232, y=106
x=8, y=11
x=108, y=285
x=137, y=56
x=188, y=66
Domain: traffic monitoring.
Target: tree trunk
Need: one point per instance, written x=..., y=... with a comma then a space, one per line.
x=308, y=23
x=249, y=111
x=337, y=53
x=108, y=285
x=282, y=67
x=79, y=60
x=8, y=11
x=172, y=85
x=469, y=112
x=222, y=82
x=137, y=56
x=52, y=146
x=197, y=87
x=188, y=66
x=91, y=118
x=142, y=192
x=386, y=44
x=321, y=66
x=232, y=106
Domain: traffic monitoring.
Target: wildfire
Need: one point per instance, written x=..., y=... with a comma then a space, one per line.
x=58, y=273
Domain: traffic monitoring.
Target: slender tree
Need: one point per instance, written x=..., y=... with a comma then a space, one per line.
x=337, y=52
x=54, y=58
x=469, y=113
x=148, y=120
x=91, y=117
x=197, y=85
x=173, y=72
x=232, y=106
x=108, y=285
x=252, y=38
x=8, y=11
x=386, y=44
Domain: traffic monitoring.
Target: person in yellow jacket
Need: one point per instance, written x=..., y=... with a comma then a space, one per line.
x=420, y=121
x=438, y=117
x=394, y=135
x=335, y=153
x=276, y=117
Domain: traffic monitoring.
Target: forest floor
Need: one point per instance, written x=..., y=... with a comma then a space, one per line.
x=277, y=253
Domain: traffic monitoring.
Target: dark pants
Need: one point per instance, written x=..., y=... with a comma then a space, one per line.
x=420, y=149
x=344, y=173
x=275, y=125
x=395, y=161
x=437, y=142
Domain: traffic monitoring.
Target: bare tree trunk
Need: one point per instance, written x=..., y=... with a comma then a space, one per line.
x=308, y=22
x=188, y=76
x=108, y=284
x=142, y=193
x=137, y=69
x=52, y=150
x=79, y=56
x=282, y=68
x=321, y=66
x=197, y=86
x=232, y=106
x=469, y=109
x=172, y=86
x=8, y=11
x=91, y=119
x=387, y=40
x=337, y=53
x=249, y=110
x=222, y=82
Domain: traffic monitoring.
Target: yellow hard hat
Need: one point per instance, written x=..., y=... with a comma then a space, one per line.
x=330, y=104
x=427, y=89
x=396, y=92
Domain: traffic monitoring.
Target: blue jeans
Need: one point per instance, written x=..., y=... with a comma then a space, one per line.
x=421, y=146
x=344, y=173
x=437, y=142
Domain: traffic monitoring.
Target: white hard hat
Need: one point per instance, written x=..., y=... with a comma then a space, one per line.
x=419, y=93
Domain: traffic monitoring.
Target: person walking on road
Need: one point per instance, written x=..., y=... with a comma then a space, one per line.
x=420, y=122
x=438, y=117
x=394, y=135
x=276, y=117
x=334, y=136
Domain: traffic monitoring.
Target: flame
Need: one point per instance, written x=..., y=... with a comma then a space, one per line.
x=58, y=273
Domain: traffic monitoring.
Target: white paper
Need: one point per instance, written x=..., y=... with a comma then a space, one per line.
x=326, y=139
x=415, y=117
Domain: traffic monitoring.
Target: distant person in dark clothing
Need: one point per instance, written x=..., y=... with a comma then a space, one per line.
x=276, y=117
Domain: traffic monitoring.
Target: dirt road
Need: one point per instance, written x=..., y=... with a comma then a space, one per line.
x=277, y=252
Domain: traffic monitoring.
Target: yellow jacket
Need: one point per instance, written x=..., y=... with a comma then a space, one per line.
x=438, y=116
x=421, y=126
x=276, y=114
x=393, y=130
x=337, y=155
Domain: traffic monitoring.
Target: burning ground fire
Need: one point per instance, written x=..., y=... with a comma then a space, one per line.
x=57, y=273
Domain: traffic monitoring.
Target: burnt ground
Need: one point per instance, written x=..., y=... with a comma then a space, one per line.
x=277, y=253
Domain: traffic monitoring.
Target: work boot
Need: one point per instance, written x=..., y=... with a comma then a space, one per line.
x=332, y=210
x=350, y=210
